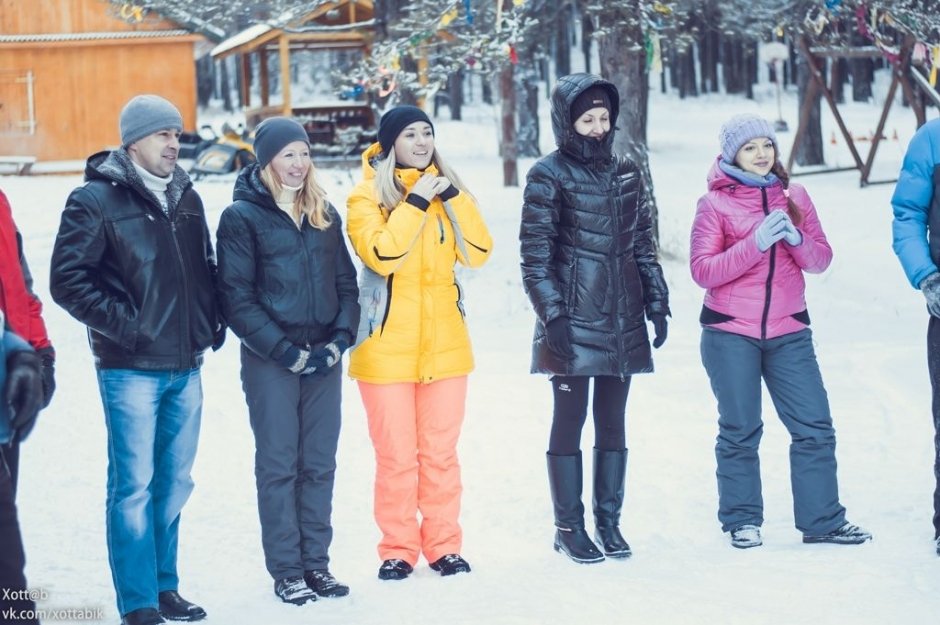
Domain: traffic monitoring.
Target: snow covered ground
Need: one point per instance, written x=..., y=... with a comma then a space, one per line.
x=870, y=329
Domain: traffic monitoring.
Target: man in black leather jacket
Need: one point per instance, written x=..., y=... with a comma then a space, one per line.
x=133, y=261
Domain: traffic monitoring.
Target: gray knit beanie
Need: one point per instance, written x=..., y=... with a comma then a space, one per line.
x=273, y=134
x=145, y=115
x=743, y=128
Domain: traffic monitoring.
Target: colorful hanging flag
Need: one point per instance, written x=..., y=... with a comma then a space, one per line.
x=448, y=17
x=935, y=62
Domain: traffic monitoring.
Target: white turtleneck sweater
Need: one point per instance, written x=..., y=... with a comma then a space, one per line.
x=156, y=185
x=286, y=203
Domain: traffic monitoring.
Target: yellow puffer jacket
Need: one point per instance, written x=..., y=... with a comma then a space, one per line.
x=412, y=327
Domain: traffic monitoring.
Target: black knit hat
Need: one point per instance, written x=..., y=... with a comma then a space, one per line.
x=395, y=120
x=273, y=134
x=592, y=97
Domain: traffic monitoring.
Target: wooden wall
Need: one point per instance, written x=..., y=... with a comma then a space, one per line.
x=80, y=87
x=70, y=16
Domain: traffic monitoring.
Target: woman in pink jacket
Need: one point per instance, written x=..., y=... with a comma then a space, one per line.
x=753, y=237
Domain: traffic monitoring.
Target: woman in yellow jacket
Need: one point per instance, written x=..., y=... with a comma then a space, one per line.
x=411, y=220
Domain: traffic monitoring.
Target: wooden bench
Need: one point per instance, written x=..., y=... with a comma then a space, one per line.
x=21, y=165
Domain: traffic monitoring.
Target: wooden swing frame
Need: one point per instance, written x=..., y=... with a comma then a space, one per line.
x=902, y=73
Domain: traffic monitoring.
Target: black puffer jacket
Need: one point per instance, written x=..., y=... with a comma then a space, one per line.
x=140, y=280
x=587, y=248
x=279, y=284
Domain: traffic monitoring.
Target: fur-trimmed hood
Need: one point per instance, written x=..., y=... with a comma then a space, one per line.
x=117, y=166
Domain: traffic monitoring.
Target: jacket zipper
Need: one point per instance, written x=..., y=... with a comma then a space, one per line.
x=184, y=313
x=309, y=278
x=388, y=302
x=768, y=288
x=612, y=202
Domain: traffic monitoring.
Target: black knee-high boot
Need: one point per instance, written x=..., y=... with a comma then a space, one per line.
x=565, y=479
x=610, y=471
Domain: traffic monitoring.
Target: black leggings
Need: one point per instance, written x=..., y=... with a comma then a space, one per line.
x=571, y=400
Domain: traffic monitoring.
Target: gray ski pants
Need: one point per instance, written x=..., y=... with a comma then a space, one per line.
x=735, y=365
x=296, y=423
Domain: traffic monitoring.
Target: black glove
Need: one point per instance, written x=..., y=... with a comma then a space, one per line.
x=660, y=326
x=218, y=338
x=47, y=355
x=23, y=391
x=294, y=359
x=323, y=359
x=556, y=336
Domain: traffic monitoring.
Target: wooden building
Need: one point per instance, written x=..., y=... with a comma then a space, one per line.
x=331, y=26
x=67, y=67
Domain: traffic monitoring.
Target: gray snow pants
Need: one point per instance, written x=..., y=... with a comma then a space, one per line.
x=735, y=365
x=296, y=423
x=933, y=366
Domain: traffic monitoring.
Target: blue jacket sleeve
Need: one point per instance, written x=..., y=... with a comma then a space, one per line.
x=911, y=204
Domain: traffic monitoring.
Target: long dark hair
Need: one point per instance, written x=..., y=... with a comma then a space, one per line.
x=792, y=209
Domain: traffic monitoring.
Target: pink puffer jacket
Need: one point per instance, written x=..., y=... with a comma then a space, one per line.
x=749, y=292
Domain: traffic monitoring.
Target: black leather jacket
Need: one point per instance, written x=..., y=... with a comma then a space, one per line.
x=142, y=280
x=280, y=284
x=587, y=248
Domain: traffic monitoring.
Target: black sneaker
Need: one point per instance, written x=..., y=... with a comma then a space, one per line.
x=848, y=534
x=143, y=616
x=451, y=564
x=937, y=543
x=294, y=590
x=395, y=569
x=324, y=584
x=175, y=608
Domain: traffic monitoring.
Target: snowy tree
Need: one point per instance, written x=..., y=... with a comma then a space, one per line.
x=434, y=39
x=623, y=33
x=215, y=20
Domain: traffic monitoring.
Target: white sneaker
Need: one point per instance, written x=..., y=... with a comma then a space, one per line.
x=746, y=536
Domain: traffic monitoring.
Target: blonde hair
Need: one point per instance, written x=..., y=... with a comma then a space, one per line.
x=310, y=200
x=390, y=191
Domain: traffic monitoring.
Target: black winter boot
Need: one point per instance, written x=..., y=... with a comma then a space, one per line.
x=610, y=472
x=564, y=479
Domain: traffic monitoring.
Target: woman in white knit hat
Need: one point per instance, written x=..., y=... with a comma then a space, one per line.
x=754, y=236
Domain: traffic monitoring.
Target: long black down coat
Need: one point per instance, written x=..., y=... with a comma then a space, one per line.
x=280, y=284
x=587, y=248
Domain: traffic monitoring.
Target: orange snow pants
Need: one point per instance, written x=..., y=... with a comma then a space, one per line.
x=414, y=429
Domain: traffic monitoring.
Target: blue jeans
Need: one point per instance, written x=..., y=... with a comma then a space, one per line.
x=153, y=429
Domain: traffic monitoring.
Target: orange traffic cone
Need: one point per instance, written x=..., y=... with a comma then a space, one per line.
x=894, y=135
x=833, y=139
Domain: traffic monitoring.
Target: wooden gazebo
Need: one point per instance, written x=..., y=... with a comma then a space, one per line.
x=331, y=25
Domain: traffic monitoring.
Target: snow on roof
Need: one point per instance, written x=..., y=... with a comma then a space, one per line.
x=50, y=37
x=242, y=38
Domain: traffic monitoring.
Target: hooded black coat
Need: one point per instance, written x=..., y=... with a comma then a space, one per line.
x=141, y=279
x=280, y=284
x=587, y=248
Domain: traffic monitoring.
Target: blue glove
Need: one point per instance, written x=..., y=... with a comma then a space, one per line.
x=793, y=237
x=930, y=287
x=771, y=230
